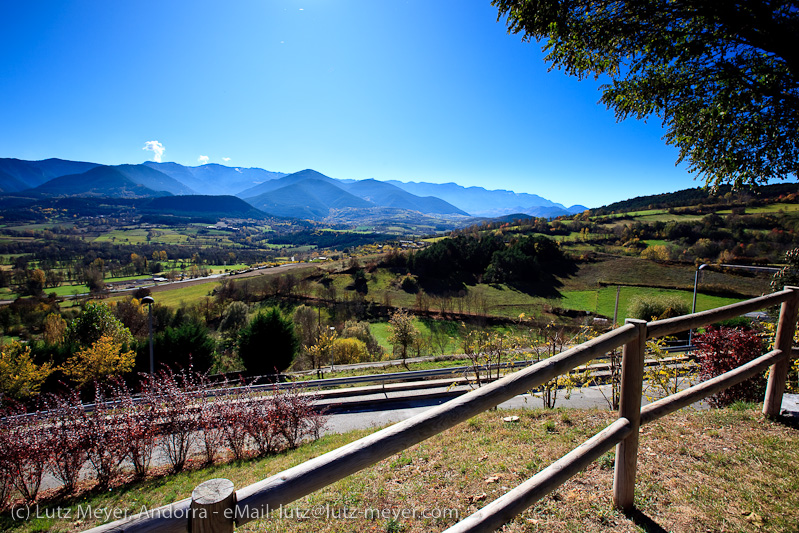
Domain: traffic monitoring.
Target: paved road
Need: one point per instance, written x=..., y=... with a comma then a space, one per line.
x=348, y=420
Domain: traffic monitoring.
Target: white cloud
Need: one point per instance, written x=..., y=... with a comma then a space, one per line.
x=203, y=159
x=225, y=159
x=156, y=148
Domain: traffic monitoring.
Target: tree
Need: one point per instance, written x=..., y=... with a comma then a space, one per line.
x=723, y=76
x=185, y=344
x=234, y=317
x=101, y=361
x=320, y=350
x=789, y=274
x=34, y=284
x=20, y=377
x=54, y=328
x=97, y=321
x=268, y=343
x=402, y=332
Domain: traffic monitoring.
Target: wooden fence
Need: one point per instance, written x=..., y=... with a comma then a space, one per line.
x=216, y=507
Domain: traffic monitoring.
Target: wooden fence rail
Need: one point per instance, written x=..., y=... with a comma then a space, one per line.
x=256, y=500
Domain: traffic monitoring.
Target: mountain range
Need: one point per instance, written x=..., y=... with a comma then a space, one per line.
x=307, y=194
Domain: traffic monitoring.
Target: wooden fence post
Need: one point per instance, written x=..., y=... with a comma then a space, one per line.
x=783, y=342
x=632, y=379
x=213, y=506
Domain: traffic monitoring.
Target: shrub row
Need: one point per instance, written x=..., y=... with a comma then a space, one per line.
x=175, y=413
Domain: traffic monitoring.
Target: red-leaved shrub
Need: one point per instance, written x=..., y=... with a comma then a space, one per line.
x=176, y=398
x=723, y=349
x=136, y=424
x=67, y=421
x=106, y=446
x=27, y=452
x=176, y=411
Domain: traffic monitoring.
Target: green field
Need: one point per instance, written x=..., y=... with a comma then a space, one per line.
x=179, y=296
x=69, y=290
x=603, y=300
x=771, y=208
x=187, y=295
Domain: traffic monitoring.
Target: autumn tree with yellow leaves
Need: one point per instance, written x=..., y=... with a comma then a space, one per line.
x=20, y=377
x=101, y=361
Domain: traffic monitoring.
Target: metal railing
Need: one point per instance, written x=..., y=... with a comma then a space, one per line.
x=216, y=507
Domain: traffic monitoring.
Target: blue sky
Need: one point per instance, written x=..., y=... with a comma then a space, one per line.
x=421, y=90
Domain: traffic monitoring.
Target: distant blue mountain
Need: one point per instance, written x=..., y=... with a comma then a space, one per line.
x=216, y=179
x=309, y=193
x=285, y=181
x=479, y=201
x=387, y=195
x=103, y=181
x=308, y=198
x=18, y=174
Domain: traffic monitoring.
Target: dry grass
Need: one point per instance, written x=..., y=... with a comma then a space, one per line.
x=725, y=470
x=708, y=471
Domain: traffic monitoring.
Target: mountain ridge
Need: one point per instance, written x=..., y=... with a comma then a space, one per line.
x=476, y=200
x=105, y=181
x=447, y=200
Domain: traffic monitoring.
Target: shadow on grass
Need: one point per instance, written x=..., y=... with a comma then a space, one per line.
x=644, y=522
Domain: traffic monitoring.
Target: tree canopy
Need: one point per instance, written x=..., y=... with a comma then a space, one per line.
x=723, y=76
x=268, y=343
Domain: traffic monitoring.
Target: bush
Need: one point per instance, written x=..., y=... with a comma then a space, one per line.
x=24, y=453
x=657, y=307
x=410, y=284
x=175, y=411
x=345, y=351
x=723, y=349
x=67, y=420
x=363, y=332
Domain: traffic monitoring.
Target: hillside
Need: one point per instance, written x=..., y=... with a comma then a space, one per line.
x=308, y=198
x=34, y=173
x=218, y=206
x=728, y=469
x=689, y=197
x=101, y=181
x=286, y=181
x=153, y=179
x=9, y=183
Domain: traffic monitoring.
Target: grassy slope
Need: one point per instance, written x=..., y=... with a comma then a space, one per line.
x=725, y=470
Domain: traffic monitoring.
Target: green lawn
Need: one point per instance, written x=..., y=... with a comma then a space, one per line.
x=657, y=242
x=603, y=300
x=69, y=290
